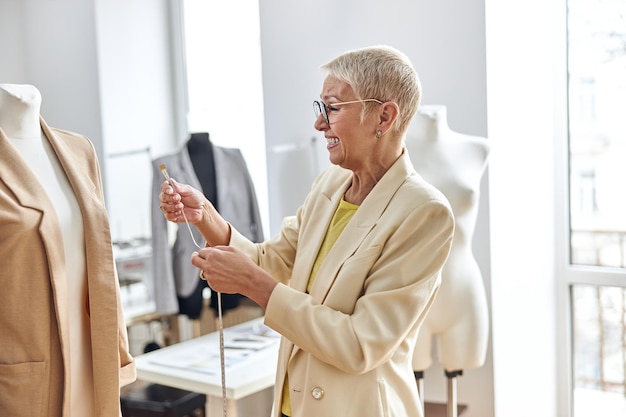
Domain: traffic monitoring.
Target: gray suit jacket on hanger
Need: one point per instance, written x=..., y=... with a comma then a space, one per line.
x=171, y=266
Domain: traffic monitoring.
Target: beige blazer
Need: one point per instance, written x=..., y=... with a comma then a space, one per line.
x=348, y=346
x=34, y=379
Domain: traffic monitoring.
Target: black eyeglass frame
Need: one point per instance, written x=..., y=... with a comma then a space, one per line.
x=319, y=107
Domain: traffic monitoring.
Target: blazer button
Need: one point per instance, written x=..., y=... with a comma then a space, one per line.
x=317, y=393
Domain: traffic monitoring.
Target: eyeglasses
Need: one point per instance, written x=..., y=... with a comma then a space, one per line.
x=319, y=107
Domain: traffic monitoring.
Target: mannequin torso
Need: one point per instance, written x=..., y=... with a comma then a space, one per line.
x=19, y=117
x=201, y=154
x=454, y=163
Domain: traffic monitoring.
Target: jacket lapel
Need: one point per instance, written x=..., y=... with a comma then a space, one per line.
x=358, y=228
x=82, y=170
x=322, y=212
x=28, y=191
x=350, y=239
x=21, y=180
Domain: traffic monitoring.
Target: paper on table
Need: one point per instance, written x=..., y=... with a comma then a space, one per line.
x=239, y=345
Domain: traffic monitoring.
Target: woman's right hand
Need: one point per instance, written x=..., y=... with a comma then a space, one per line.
x=176, y=197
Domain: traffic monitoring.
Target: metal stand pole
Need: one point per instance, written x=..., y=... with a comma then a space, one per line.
x=452, y=398
x=419, y=379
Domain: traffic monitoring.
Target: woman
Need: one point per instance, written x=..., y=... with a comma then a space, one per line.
x=349, y=279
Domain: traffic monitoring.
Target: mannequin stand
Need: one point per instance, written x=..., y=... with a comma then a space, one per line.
x=452, y=397
x=433, y=409
x=419, y=379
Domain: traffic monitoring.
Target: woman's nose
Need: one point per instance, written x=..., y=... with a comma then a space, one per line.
x=320, y=123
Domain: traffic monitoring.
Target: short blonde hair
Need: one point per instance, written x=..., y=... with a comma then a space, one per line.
x=383, y=73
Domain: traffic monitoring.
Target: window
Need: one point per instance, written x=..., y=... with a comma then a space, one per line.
x=224, y=82
x=597, y=168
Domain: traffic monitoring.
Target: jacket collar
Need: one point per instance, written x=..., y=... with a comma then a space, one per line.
x=361, y=224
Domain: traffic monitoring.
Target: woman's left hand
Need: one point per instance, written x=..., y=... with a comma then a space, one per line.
x=230, y=271
x=225, y=268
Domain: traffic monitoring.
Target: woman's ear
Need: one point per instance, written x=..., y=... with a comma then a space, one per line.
x=388, y=115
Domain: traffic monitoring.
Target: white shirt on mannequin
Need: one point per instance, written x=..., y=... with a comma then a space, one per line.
x=19, y=119
x=454, y=163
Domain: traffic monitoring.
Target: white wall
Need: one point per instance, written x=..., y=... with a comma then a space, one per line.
x=526, y=66
x=138, y=111
x=445, y=41
x=51, y=45
x=104, y=70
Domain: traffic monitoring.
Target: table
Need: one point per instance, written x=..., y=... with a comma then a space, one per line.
x=251, y=353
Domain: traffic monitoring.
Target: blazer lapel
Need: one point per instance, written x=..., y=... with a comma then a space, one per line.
x=357, y=229
x=315, y=231
x=20, y=178
x=82, y=170
x=29, y=193
x=74, y=167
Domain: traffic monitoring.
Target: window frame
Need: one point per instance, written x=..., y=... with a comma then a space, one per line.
x=567, y=274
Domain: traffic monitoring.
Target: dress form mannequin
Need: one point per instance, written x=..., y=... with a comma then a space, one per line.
x=19, y=119
x=458, y=319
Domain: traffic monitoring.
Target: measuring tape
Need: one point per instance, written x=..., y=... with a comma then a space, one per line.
x=219, y=305
x=222, y=366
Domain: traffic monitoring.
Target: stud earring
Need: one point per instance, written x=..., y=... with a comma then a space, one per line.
x=378, y=134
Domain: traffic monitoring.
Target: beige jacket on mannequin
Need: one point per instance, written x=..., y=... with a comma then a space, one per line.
x=33, y=299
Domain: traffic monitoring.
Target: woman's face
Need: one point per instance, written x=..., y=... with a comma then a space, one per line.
x=349, y=141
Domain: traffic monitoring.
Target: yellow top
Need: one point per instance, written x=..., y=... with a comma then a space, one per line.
x=340, y=219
